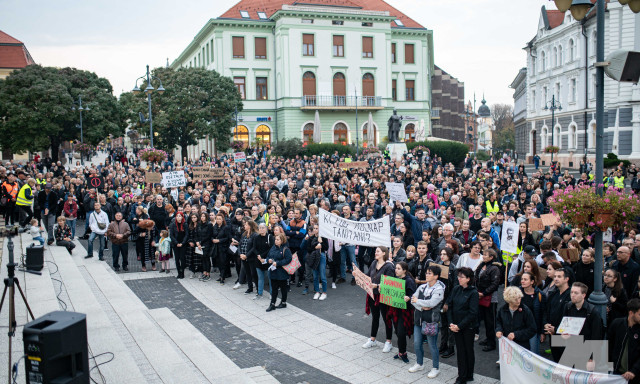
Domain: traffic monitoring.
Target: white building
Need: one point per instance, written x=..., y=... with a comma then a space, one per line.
x=560, y=61
x=333, y=56
x=486, y=127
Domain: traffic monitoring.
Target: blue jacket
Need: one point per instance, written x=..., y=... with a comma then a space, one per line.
x=282, y=256
x=416, y=225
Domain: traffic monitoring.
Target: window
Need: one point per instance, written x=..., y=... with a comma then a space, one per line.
x=394, y=90
x=339, y=89
x=533, y=65
x=245, y=14
x=307, y=21
x=238, y=47
x=262, y=16
x=555, y=57
x=534, y=102
x=338, y=46
x=261, y=88
x=309, y=88
x=410, y=133
x=410, y=89
x=260, y=47
x=594, y=84
x=367, y=46
x=340, y=134
x=543, y=60
x=368, y=89
x=367, y=24
x=337, y=22
x=557, y=92
x=240, y=84
x=211, y=45
x=574, y=91
x=393, y=53
x=241, y=133
x=307, y=134
x=572, y=50
x=207, y=53
x=307, y=44
x=399, y=23
x=545, y=95
x=366, y=139
x=408, y=54
x=560, y=56
x=263, y=135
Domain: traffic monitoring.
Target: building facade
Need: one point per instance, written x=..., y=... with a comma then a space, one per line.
x=485, y=128
x=351, y=61
x=519, y=86
x=447, y=110
x=560, y=63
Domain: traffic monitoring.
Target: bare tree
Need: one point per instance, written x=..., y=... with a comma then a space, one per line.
x=504, y=135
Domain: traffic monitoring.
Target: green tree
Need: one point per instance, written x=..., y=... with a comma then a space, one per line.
x=197, y=102
x=504, y=135
x=36, y=102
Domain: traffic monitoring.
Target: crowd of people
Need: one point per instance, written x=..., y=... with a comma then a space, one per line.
x=254, y=224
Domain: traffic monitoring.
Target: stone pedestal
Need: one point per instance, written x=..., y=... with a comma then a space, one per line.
x=396, y=150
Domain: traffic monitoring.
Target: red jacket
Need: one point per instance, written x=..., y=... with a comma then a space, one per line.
x=71, y=209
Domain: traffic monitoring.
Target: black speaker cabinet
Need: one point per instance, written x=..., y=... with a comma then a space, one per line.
x=35, y=257
x=56, y=349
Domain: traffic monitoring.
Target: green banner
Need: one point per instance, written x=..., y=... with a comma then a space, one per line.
x=392, y=292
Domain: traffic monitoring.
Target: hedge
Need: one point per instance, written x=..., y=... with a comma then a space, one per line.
x=612, y=161
x=328, y=149
x=450, y=151
x=288, y=148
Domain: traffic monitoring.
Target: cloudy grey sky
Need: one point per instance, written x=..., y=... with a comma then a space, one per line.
x=478, y=41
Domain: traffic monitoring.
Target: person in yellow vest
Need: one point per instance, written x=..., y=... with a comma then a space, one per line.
x=618, y=180
x=24, y=201
x=491, y=205
x=10, y=190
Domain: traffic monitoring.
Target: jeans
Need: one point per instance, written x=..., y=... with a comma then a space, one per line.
x=320, y=274
x=116, y=250
x=349, y=250
x=49, y=221
x=92, y=237
x=261, y=275
x=72, y=224
x=86, y=222
x=40, y=239
x=534, y=344
x=70, y=245
x=418, y=338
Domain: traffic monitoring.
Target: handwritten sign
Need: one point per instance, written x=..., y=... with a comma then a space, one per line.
x=203, y=173
x=363, y=281
x=353, y=164
x=536, y=225
x=153, y=177
x=239, y=157
x=397, y=192
x=570, y=254
x=369, y=233
x=444, y=271
x=392, y=292
x=571, y=325
x=173, y=179
x=549, y=219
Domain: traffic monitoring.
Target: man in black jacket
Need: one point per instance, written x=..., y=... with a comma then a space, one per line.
x=48, y=201
x=624, y=344
x=556, y=303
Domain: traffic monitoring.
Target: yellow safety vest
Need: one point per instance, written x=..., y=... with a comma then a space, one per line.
x=41, y=181
x=507, y=257
x=22, y=196
x=489, y=209
x=619, y=182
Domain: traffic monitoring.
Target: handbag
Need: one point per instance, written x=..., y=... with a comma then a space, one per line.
x=429, y=329
x=485, y=301
x=293, y=266
x=100, y=225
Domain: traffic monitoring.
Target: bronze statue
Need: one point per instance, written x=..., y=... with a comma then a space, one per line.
x=394, y=124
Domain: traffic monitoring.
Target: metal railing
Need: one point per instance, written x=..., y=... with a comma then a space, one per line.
x=341, y=101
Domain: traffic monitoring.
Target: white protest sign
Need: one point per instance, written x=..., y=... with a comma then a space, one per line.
x=402, y=169
x=571, y=325
x=173, y=179
x=397, y=192
x=608, y=235
x=370, y=233
x=509, y=239
x=519, y=365
x=239, y=157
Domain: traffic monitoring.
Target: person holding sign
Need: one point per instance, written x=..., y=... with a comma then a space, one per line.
x=380, y=266
x=515, y=320
x=428, y=300
x=403, y=318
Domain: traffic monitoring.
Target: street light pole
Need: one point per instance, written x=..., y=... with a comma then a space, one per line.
x=357, y=136
x=553, y=105
x=149, y=90
x=80, y=108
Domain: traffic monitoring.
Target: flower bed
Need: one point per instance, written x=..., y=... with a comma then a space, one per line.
x=152, y=155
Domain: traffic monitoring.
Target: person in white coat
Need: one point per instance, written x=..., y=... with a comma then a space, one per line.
x=98, y=222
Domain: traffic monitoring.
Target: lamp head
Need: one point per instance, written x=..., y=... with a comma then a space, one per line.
x=161, y=89
x=73, y=108
x=149, y=89
x=136, y=90
x=563, y=5
x=580, y=8
x=634, y=5
x=86, y=108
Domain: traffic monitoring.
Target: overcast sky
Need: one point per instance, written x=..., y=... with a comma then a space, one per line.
x=478, y=41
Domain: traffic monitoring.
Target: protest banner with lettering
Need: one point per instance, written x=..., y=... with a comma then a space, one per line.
x=536, y=225
x=397, y=192
x=369, y=233
x=153, y=177
x=353, y=164
x=204, y=173
x=239, y=157
x=519, y=365
x=392, y=292
x=509, y=242
x=363, y=281
x=549, y=219
x=173, y=179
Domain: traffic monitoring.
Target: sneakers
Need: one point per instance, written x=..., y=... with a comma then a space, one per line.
x=387, y=347
x=476, y=337
x=402, y=357
x=237, y=285
x=417, y=367
x=433, y=373
x=333, y=286
x=316, y=296
x=206, y=278
x=248, y=291
x=257, y=297
x=369, y=344
x=193, y=275
x=305, y=291
x=323, y=297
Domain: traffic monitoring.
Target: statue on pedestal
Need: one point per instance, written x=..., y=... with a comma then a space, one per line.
x=394, y=124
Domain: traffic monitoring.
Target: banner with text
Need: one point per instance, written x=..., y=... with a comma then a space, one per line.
x=173, y=179
x=370, y=233
x=397, y=192
x=519, y=365
x=204, y=173
x=363, y=281
x=392, y=292
x=239, y=157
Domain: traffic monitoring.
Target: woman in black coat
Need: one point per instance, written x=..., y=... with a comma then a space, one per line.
x=262, y=244
x=204, y=236
x=398, y=254
x=179, y=233
x=515, y=320
x=279, y=256
x=194, y=261
x=140, y=215
x=616, y=295
x=462, y=312
x=247, y=252
x=221, y=238
x=488, y=281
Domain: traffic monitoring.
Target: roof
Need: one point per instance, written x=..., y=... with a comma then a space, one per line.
x=272, y=6
x=555, y=18
x=484, y=110
x=13, y=53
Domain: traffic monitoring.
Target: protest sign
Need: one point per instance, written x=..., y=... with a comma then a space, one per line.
x=403, y=169
x=204, y=173
x=397, y=192
x=608, y=235
x=571, y=325
x=173, y=179
x=369, y=233
x=536, y=225
x=570, y=254
x=239, y=157
x=353, y=164
x=392, y=292
x=96, y=182
x=509, y=242
x=153, y=177
x=519, y=365
x=549, y=219
x=363, y=281
x=444, y=271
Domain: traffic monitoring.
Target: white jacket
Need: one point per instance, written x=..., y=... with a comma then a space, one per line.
x=101, y=218
x=436, y=292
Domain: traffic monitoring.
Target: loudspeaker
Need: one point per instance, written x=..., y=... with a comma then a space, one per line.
x=624, y=66
x=56, y=349
x=35, y=257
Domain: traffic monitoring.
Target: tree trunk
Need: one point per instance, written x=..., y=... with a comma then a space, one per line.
x=55, y=148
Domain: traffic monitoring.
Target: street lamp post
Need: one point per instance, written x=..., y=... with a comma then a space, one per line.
x=80, y=108
x=553, y=105
x=149, y=90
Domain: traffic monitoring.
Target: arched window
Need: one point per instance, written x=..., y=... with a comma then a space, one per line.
x=368, y=89
x=554, y=58
x=263, y=135
x=573, y=137
x=340, y=134
x=307, y=133
x=594, y=43
x=309, y=88
x=339, y=89
x=241, y=133
x=557, y=139
x=592, y=136
x=572, y=50
x=560, y=55
x=545, y=137
x=543, y=61
x=365, y=134
x=410, y=133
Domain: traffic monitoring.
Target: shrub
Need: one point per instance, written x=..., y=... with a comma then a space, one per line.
x=482, y=155
x=612, y=161
x=450, y=151
x=328, y=149
x=551, y=149
x=288, y=148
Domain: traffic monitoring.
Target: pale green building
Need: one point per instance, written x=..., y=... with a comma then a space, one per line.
x=338, y=63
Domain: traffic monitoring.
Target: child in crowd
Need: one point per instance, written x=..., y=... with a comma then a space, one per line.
x=164, y=251
x=36, y=231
